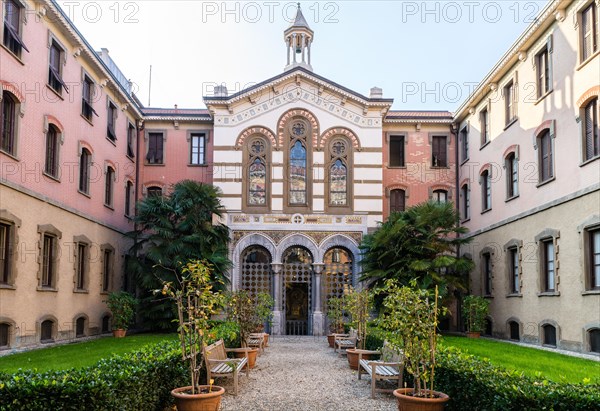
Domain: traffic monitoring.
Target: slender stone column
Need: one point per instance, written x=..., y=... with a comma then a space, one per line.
x=277, y=320
x=303, y=46
x=318, y=314
x=308, y=50
x=294, y=46
x=288, y=50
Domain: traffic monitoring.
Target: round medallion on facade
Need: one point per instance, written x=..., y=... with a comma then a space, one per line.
x=257, y=147
x=298, y=129
x=297, y=219
x=339, y=148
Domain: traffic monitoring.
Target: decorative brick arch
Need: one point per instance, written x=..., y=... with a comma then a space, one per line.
x=486, y=167
x=13, y=89
x=49, y=119
x=588, y=95
x=404, y=187
x=248, y=241
x=512, y=149
x=440, y=186
x=250, y=131
x=343, y=241
x=343, y=131
x=296, y=239
x=546, y=125
x=298, y=112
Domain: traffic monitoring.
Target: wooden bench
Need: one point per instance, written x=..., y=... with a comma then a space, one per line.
x=343, y=342
x=390, y=367
x=218, y=365
x=256, y=340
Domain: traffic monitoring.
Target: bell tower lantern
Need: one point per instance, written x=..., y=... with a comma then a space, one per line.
x=298, y=38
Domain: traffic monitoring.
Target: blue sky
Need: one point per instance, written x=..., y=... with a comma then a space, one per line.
x=427, y=55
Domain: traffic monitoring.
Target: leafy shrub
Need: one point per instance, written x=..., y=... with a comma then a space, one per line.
x=375, y=338
x=228, y=331
x=476, y=384
x=139, y=380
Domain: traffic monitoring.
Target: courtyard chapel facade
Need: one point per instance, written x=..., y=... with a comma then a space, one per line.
x=306, y=168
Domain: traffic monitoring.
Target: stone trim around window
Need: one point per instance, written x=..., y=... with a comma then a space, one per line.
x=541, y=332
x=542, y=237
x=589, y=224
x=81, y=240
x=107, y=288
x=48, y=229
x=14, y=222
x=511, y=245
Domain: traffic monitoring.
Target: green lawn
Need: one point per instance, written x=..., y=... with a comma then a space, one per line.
x=78, y=355
x=531, y=361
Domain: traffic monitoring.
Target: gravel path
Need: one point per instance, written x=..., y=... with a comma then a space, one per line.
x=302, y=373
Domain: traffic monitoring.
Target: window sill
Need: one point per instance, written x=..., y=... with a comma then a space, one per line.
x=88, y=120
x=77, y=291
x=7, y=287
x=551, y=179
x=154, y=164
x=542, y=97
x=51, y=177
x=128, y=217
x=487, y=210
x=490, y=296
x=466, y=220
x=14, y=157
x=511, y=198
x=485, y=144
x=510, y=123
x=549, y=294
x=198, y=165
x=591, y=160
x=514, y=295
x=132, y=159
x=84, y=194
x=440, y=167
x=113, y=142
x=549, y=346
x=396, y=167
x=110, y=207
x=104, y=292
x=591, y=292
x=47, y=289
x=585, y=62
x=464, y=161
x=12, y=54
x=56, y=93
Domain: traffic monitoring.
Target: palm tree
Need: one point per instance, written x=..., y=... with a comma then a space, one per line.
x=170, y=231
x=419, y=243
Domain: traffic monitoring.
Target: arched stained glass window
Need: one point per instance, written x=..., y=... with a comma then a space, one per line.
x=297, y=174
x=339, y=172
x=258, y=183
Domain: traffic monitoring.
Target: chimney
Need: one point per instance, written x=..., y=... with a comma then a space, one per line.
x=220, y=91
x=376, y=92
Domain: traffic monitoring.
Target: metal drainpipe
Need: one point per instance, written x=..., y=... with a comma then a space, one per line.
x=454, y=130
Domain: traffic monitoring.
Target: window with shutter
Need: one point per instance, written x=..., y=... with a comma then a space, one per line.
x=87, y=110
x=55, y=80
x=155, y=148
x=487, y=273
x=8, y=123
x=51, y=166
x=464, y=141
x=466, y=204
x=111, y=119
x=198, y=149
x=589, y=31
x=131, y=141
x=12, y=28
x=108, y=186
x=5, y=253
x=397, y=151
x=545, y=162
x=543, y=72
x=591, y=131
x=438, y=148
x=485, y=133
x=48, y=261
x=594, y=259
x=84, y=171
x=512, y=176
x=397, y=201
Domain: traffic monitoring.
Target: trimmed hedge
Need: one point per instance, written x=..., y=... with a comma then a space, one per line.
x=477, y=384
x=141, y=380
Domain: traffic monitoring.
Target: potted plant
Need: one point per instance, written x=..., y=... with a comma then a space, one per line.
x=240, y=308
x=359, y=305
x=411, y=315
x=196, y=303
x=475, y=309
x=122, y=306
x=335, y=314
x=264, y=313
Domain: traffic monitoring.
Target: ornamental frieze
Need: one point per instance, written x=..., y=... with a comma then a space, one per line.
x=318, y=237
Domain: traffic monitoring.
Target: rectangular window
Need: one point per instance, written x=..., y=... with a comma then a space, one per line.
x=111, y=120
x=84, y=171
x=128, y=198
x=466, y=209
x=542, y=67
x=513, y=260
x=589, y=31
x=55, y=80
x=12, y=27
x=548, y=265
x=108, y=186
x=106, y=269
x=80, y=281
x=48, y=260
x=397, y=201
x=487, y=273
x=546, y=162
x=594, y=259
x=131, y=140
x=591, y=130
x=485, y=127
x=5, y=254
x=396, y=151
x=512, y=175
x=486, y=190
x=464, y=144
x=8, y=123
x=51, y=167
x=198, y=149
x=87, y=98
x=510, y=102
x=438, y=149
x=155, y=148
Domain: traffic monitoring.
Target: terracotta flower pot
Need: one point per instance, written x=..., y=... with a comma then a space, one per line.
x=407, y=402
x=473, y=334
x=331, y=340
x=252, y=353
x=120, y=333
x=205, y=401
x=353, y=358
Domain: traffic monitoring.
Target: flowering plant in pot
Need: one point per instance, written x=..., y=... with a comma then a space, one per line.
x=359, y=305
x=475, y=309
x=122, y=306
x=196, y=302
x=335, y=314
x=411, y=316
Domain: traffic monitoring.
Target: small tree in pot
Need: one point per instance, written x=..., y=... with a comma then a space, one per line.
x=359, y=305
x=335, y=314
x=122, y=306
x=411, y=315
x=196, y=303
x=264, y=313
x=475, y=309
x=240, y=308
